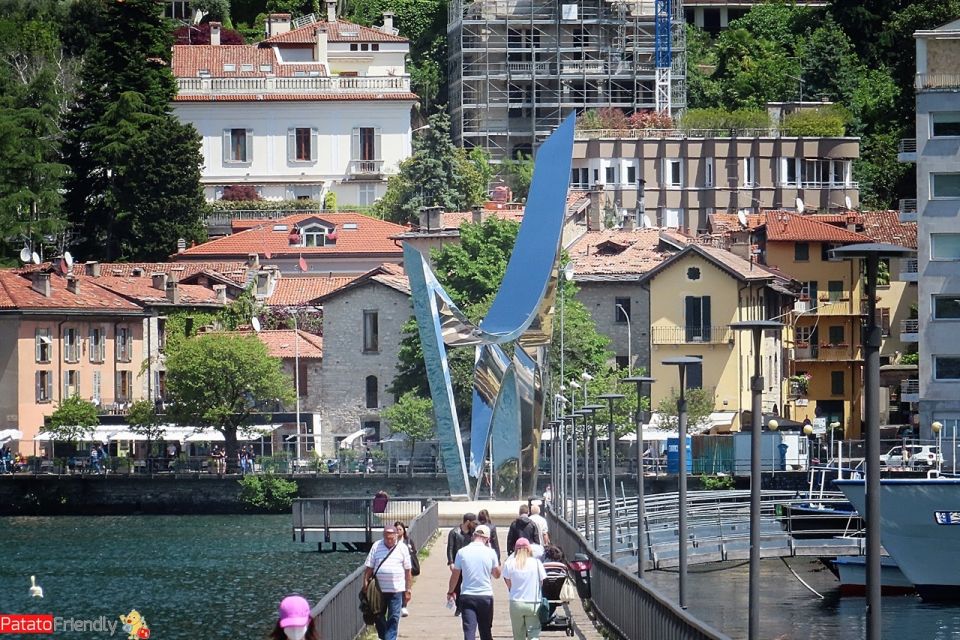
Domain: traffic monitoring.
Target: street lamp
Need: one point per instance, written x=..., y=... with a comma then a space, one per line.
x=611, y=398
x=626, y=316
x=938, y=431
x=589, y=410
x=808, y=431
x=682, y=362
x=638, y=420
x=871, y=254
x=756, y=328
x=773, y=425
x=586, y=377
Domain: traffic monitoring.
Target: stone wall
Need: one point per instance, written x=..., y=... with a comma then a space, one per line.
x=599, y=299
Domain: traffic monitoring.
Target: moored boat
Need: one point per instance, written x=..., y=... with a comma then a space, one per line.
x=851, y=571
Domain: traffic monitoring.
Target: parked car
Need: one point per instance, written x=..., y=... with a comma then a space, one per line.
x=916, y=456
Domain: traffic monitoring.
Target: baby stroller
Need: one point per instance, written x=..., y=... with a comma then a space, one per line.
x=560, y=619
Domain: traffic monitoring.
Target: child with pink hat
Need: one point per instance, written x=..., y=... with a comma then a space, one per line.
x=295, y=621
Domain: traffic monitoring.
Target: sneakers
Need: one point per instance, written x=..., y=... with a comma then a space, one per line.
x=404, y=613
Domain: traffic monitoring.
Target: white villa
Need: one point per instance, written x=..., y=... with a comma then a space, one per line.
x=316, y=107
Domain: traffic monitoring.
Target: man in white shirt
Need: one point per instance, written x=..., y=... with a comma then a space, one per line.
x=477, y=564
x=541, y=523
x=389, y=562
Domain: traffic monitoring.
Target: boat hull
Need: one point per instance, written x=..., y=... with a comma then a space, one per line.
x=920, y=529
x=852, y=573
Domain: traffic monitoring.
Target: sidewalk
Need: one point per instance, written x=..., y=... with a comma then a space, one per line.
x=430, y=619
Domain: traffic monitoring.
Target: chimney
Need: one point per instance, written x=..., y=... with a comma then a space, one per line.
x=215, y=34
x=173, y=292
x=253, y=260
x=430, y=218
x=92, y=268
x=331, y=10
x=181, y=245
x=595, y=210
x=221, y=291
x=73, y=285
x=320, y=46
x=159, y=281
x=40, y=282
x=627, y=224
x=136, y=272
x=388, y=23
x=476, y=214
x=851, y=222
x=277, y=23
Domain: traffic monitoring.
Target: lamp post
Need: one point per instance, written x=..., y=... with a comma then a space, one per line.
x=611, y=398
x=565, y=464
x=937, y=428
x=590, y=445
x=681, y=362
x=833, y=429
x=586, y=377
x=871, y=254
x=808, y=431
x=573, y=466
x=773, y=425
x=756, y=328
x=626, y=316
x=554, y=428
x=638, y=423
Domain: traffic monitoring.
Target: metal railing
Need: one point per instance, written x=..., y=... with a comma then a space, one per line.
x=908, y=205
x=338, y=612
x=366, y=167
x=628, y=607
x=910, y=386
x=335, y=84
x=907, y=145
x=326, y=515
x=691, y=335
x=909, y=326
x=910, y=265
x=926, y=81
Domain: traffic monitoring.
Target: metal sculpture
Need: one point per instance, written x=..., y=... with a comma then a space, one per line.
x=507, y=412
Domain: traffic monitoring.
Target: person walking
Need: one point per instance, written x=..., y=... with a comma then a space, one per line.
x=476, y=566
x=522, y=527
x=404, y=538
x=295, y=620
x=541, y=523
x=524, y=577
x=389, y=564
x=483, y=517
x=457, y=539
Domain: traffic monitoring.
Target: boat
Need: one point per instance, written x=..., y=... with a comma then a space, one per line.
x=851, y=571
x=920, y=529
x=819, y=519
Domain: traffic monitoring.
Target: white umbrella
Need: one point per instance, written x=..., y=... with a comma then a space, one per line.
x=10, y=434
x=127, y=436
x=347, y=442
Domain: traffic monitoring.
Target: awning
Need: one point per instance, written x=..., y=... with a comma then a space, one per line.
x=100, y=434
x=246, y=434
x=649, y=435
x=127, y=436
x=347, y=442
x=10, y=434
x=207, y=435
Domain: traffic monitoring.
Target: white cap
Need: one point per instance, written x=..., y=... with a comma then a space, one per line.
x=482, y=530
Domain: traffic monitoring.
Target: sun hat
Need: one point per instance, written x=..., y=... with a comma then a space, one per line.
x=520, y=543
x=482, y=530
x=294, y=612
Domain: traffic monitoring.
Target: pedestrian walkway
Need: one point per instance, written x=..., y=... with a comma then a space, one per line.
x=430, y=619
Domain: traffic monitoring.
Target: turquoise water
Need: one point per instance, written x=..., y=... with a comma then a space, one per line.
x=189, y=576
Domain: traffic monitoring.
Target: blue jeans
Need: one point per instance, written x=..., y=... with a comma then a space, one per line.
x=476, y=614
x=388, y=624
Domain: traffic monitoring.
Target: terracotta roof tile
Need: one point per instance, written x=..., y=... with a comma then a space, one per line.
x=726, y=222
x=338, y=31
x=357, y=234
x=783, y=226
x=19, y=294
x=456, y=219
x=234, y=271
x=188, y=60
x=141, y=290
x=282, y=343
x=295, y=97
x=297, y=290
x=390, y=275
x=613, y=252
x=885, y=226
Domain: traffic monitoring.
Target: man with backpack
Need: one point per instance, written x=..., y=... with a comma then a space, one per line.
x=523, y=527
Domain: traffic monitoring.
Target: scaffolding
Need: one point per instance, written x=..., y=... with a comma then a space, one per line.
x=518, y=67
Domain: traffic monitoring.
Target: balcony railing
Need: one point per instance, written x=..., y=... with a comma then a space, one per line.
x=908, y=210
x=336, y=84
x=691, y=335
x=933, y=81
x=910, y=390
x=366, y=167
x=907, y=145
x=910, y=326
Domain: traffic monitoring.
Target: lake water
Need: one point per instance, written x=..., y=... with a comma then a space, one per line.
x=190, y=576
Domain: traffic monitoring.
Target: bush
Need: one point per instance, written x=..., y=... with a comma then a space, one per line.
x=200, y=34
x=243, y=192
x=723, y=119
x=716, y=483
x=910, y=358
x=267, y=491
x=830, y=121
x=330, y=201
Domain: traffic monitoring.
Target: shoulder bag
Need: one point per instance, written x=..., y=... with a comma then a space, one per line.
x=372, y=603
x=543, y=609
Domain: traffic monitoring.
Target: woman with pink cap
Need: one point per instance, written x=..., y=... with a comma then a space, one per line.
x=524, y=576
x=295, y=621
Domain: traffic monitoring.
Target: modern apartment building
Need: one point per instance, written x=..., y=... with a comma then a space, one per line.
x=936, y=151
x=518, y=67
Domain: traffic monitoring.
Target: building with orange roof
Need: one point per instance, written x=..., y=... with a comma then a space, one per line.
x=317, y=107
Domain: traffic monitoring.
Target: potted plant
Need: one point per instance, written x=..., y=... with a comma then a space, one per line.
x=800, y=383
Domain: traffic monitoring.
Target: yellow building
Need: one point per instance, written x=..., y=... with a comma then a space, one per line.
x=694, y=297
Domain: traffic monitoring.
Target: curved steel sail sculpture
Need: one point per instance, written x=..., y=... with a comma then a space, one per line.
x=510, y=342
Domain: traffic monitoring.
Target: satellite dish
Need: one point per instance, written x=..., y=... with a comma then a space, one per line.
x=848, y=202
x=742, y=217
x=68, y=259
x=800, y=205
x=25, y=254
x=34, y=258
x=647, y=223
x=255, y=323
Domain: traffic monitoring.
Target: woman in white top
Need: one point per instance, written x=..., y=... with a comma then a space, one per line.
x=524, y=575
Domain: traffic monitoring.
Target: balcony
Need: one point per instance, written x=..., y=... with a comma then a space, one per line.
x=910, y=390
x=909, y=330
x=719, y=334
x=805, y=351
x=909, y=270
x=907, y=151
x=937, y=82
x=312, y=85
x=365, y=168
x=840, y=352
x=908, y=210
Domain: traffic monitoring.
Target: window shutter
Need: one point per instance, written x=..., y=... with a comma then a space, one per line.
x=248, y=151
x=226, y=145
x=37, y=384
x=705, y=315
x=291, y=145
x=49, y=395
x=36, y=347
x=314, y=143
x=66, y=385
x=692, y=317
x=376, y=144
x=355, y=144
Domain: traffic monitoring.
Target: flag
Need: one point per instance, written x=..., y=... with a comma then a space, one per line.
x=303, y=264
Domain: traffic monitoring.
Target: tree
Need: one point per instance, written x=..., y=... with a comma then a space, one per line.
x=411, y=416
x=134, y=187
x=74, y=420
x=220, y=381
x=519, y=172
x=699, y=408
x=143, y=420
x=200, y=34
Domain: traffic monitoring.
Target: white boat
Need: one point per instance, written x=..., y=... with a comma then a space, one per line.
x=851, y=571
x=920, y=529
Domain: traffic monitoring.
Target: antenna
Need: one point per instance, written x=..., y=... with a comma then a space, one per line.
x=848, y=202
x=742, y=217
x=68, y=259
x=800, y=205
x=25, y=254
x=34, y=258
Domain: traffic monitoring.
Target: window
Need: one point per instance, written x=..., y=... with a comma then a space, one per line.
x=161, y=334
x=814, y=173
x=631, y=174
x=97, y=392
x=945, y=123
x=801, y=252
x=610, y=175
x=44, y=383
x=123, y=344
x=371, y=331
x=71, y=383
x=246, y=67
x=671, y=218
x=366, y=143
x=804, y=337
x=945, y=246
x=946, y=307
x=229, y=68
x=945, y=185
x=366, y=194
x=883, y=320
x=697, y=318
x=374, y=47
x=808, y=291
x=43, y=345
x=372, y=392
x=124, y=390
x=301, y=145
x=160, y=385
x=836, y=383
x=97, y=344
x=749, y=172
x=835, y=290
x=836, y=334
x=672, y=172
x=71, y=344
x=580, y=178
x=354, y=46
x=621, y=310
x=788, y=171
x=237, y=145
x=708, y=172
x=694, y=375
x=623, y=362
x=314, y=236
x=946, y=367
